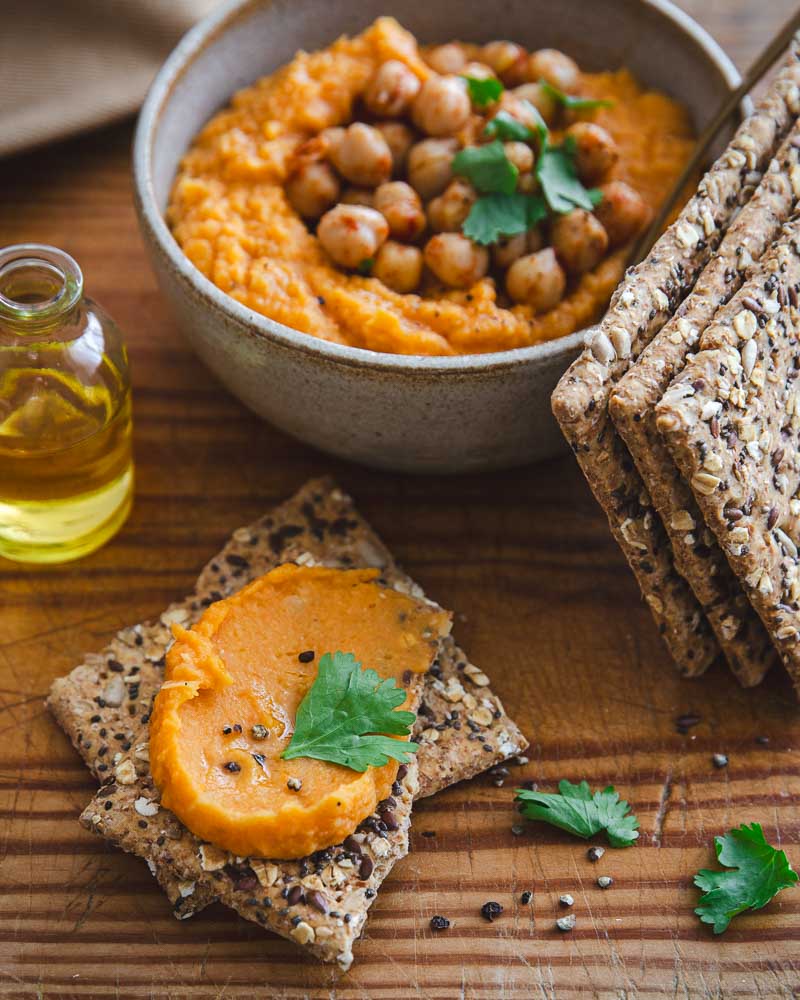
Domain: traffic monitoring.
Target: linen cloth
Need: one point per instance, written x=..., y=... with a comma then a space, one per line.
x=70, y=65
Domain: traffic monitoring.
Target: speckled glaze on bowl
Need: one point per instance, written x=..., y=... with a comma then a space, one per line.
x=412, y=414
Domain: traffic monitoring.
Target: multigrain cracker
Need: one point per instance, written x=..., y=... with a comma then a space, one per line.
x=731, y=421
x=697, y=556
x=644, y=301
x=104, y=706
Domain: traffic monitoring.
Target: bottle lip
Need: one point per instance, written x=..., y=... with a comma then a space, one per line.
x=50, y=263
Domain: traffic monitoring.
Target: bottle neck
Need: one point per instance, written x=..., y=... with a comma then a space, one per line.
x=39, y=287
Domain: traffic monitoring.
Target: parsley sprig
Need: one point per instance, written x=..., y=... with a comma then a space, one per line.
x=558, y=177
x=349, y=716
x=757, y=872
x=575, y=809
x=487, y=168
x=572, y=103
x=483, y=92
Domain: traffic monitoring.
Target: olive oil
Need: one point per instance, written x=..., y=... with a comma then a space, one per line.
x=66, y=470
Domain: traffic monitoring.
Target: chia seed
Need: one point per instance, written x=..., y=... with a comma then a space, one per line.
x=565, y=924
x=259, y=732
x=595, y=853
x=605, y=881
x=491, y=910
x=439, y=923
x=526, y=897
x=566, y=899
x=294, y=784
x=719, y=760
x=517, y=830
x=307, y=656
x=233, y=767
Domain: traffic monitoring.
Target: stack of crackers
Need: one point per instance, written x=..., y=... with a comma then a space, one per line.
x=683, y=413
x=321, y=901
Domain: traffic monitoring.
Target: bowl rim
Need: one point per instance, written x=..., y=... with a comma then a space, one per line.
x=192, y=45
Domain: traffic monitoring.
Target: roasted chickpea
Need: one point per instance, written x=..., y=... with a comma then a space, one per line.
x=312, y=189
x=595, y=151
x=400, y=205
x=430, y=166
x=478, y=71
x=399, y=138
x=520, y=154
x=623, y=212
x=358, y=196
x=535, y=94
x=391, y=90
x=330, y=139
x=556, y=68
x=509, y=249
x=442, y=106
x=362, y=156
x=447, y=212
x=507, y=59
x=536, y=280
x=444, y=59
x=579, y=239
x=534, y=239
x=398, y=266
x=455, y=260
x=352, y=233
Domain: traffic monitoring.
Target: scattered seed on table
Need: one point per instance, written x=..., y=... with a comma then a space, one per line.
x=762, y=741
x=605, y=881
x=517, y=830
x=567, y=923
x=566, y=899
x=439, y=923
x=595, y=853
x=685, y=722
x=491, y=910
x=526, y=897
x=719, y=760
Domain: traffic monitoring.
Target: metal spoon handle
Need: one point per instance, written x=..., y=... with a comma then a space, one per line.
x=726, y=109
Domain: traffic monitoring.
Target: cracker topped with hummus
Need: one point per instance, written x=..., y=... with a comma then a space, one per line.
x=454, y=200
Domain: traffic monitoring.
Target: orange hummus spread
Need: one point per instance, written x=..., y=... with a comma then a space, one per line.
x=233, y=683
x=230, y=213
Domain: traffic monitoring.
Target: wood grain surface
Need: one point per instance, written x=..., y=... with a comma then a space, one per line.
x=545, y=604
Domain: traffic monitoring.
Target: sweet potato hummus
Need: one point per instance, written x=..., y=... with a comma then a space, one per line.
x=436, y=287
x=233, y=683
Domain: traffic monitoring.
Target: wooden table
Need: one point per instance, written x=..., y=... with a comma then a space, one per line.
x=546, y=604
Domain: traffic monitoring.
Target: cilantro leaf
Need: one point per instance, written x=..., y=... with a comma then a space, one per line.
x=576, y=810
x=483, y=92
x=506, y=127
x=346, y=714
x=759, y=873
x=573, y=103
x=496, y=215
x=558, y=177
x=487, y=167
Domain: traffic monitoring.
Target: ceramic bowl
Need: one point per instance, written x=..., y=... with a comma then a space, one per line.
x=412, y=414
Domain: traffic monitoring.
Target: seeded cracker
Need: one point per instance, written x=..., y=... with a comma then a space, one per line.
x=731, y=421
x=698, y=558
x=644, y=301
x=104, y=706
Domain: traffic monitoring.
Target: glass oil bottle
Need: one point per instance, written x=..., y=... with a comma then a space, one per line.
x=66, y=469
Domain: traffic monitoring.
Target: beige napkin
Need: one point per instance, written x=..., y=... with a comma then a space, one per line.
x=70, y=65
